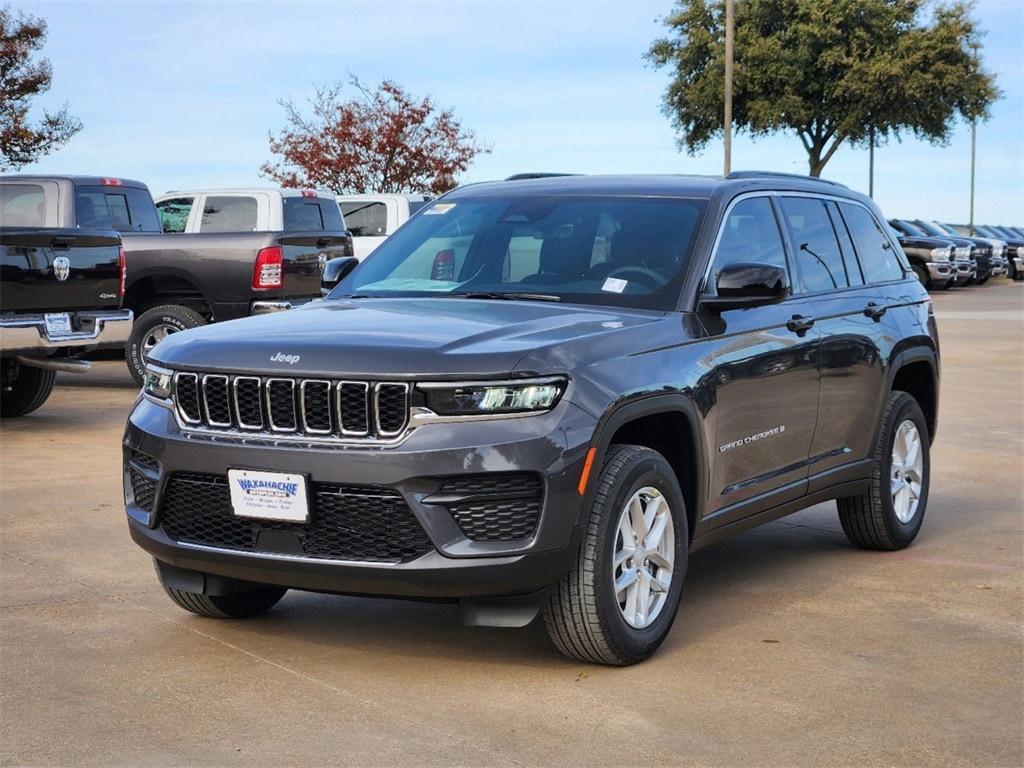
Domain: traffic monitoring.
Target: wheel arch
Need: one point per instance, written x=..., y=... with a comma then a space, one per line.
x=915, y=371
x=153, y=289
x=669, y=424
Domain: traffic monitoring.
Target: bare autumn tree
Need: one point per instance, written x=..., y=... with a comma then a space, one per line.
x=21, y=78
x=382, y=140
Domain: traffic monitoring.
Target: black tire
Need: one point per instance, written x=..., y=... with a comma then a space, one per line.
x=582, y=614
x=869, y=520
x=24, y=389
x=173, y=315
x=238, y=605
x=922, y=274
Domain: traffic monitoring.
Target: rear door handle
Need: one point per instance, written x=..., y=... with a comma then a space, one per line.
x=800, y=324
x=874, y=311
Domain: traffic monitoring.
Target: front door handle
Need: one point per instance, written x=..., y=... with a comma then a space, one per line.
x=800, y=324
x=874, y=311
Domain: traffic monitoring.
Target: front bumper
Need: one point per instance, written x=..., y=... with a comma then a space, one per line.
x=940, y=272
x=22, y=333
x=552, y=445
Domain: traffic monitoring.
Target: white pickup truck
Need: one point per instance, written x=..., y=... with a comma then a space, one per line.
x=371, y=218
x=246, y=210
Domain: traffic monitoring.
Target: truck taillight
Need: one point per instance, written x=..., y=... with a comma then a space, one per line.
x=308, y=193
x=122, y=266
x=269, y=269
x=347, y=247
x=110, y=182
x=444, y=265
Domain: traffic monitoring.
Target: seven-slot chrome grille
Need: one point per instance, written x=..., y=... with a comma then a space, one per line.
x=291, y=406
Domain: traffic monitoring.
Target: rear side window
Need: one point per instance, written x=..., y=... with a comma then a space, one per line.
x=750, y=234
x=229, y=214
x=126, y=209
x=366, y=219
x=174, y=213
x=815, y=244
x=878, y=258
x=303, y=214
x=22, y=205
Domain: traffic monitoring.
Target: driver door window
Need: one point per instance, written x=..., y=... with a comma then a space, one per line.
x=751, y=234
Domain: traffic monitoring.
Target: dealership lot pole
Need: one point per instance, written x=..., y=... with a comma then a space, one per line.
x=729, y=22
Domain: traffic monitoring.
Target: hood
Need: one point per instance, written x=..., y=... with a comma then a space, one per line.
x=913, y=241
x=440, y=338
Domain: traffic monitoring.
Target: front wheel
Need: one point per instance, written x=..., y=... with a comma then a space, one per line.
x=23, y=388
x=889, y=514
x=618, y=602
x=152, y=327
x=922, y=275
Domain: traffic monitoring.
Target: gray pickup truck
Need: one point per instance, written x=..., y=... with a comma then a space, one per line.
x=60, y=295
x=225, y=271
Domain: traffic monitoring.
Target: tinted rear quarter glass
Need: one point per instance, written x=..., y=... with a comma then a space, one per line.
x=229, y=214
x=22, y=205
x=878, y=259
x=125, y=209
x=304, y=214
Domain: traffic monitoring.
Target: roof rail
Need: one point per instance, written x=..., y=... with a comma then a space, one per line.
x=780, y=175
x=539, y=175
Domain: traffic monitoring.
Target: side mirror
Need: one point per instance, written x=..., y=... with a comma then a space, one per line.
x=748, y=284
x=335, y=271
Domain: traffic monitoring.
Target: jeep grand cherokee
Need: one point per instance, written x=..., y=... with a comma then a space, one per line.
x=539, y=396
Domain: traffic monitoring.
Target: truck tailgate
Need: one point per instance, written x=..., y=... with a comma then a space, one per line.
x=304, y=254
x=58, y=269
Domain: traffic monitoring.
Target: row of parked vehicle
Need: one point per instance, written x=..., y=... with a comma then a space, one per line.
x=96, y=262
x=946, y=255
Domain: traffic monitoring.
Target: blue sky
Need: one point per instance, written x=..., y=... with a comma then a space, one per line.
x=183, y=95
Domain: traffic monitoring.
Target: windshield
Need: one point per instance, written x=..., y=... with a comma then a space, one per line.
x=907, y=228
x=624, y=251
x=931, y=229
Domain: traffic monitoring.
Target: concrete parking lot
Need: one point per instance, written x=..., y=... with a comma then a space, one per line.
x=791, y=648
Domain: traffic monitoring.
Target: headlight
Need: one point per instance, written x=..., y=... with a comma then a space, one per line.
x=940, y=254
x=157, y=382
x=469, y=399
x=963, y=252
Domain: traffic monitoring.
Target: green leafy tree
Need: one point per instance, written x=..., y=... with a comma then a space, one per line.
x=832, y=71
x=21, y=78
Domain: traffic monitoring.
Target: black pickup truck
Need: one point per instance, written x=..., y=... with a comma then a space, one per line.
x=178, y=281
x=60, y=295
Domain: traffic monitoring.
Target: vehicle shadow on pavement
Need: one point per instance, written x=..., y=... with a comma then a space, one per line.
x=733, y=584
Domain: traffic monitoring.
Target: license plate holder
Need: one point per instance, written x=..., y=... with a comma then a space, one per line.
x=58, y=324
x=269, y=495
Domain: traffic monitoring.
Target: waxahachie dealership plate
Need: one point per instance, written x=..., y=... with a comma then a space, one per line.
x=268, y=495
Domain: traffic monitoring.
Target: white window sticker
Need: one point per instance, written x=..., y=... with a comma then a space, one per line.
x=438, y=209
x=614, y=285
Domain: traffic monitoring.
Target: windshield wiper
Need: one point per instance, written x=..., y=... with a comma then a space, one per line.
x=508, y=296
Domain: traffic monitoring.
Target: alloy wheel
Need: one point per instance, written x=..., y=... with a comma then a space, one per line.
x=907, y=471
x=643, y=558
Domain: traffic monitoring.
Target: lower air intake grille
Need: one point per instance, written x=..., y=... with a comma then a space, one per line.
x=143, y=483
x=493, y=507
x=362, y=523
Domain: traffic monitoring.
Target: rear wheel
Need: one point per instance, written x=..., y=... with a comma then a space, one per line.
x=618, y=602
x=237, y=605
x=24, y=388
x=152, y=327
x=889, y=514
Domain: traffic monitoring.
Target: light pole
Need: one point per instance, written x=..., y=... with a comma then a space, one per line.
x=974, y=144
x=729, y=23
x=871, y=163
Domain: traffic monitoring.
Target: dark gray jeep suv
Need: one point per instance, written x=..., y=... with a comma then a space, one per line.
x=540, y=395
